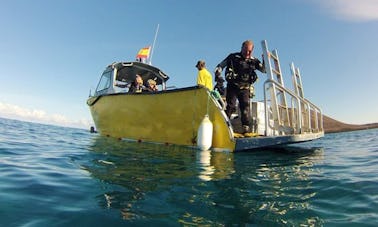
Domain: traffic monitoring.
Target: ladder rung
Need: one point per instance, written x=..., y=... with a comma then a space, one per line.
x=282, y=106
x=276, y=72
x=273, y=56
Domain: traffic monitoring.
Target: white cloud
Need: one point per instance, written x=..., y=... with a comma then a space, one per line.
x=40, y=116
x=351, y=10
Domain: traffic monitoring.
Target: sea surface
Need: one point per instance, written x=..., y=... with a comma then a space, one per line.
x=56, y=176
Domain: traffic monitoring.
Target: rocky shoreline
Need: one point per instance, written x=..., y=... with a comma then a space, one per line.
x=331, y=125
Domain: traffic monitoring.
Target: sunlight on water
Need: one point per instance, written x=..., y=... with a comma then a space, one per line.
x=53, y=176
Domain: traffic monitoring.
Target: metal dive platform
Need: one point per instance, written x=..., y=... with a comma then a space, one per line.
x=285, y=116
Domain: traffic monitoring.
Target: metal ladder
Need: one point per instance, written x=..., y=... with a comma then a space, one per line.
x=311, y=115
x=279, y=107
x=305, y=123
x=297, y=80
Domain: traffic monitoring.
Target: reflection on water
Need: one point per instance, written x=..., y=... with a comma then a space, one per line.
x=169, y=184
x=214, y=165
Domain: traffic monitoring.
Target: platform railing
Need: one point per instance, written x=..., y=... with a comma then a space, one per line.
x=309, y=120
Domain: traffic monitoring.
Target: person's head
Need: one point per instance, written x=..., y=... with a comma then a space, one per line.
x=247, y=48
x=138, y=79
x=151, y=83
x=200, y=64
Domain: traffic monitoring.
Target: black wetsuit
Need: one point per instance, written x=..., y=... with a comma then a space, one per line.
x=240, y=75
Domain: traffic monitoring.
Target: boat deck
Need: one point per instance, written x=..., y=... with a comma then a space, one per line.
x=249, y=143
x=260, y=141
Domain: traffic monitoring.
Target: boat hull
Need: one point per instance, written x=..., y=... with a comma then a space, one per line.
x=168, y=117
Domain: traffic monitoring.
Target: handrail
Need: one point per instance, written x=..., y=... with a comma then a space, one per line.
x=296, y=110
x=218, y=99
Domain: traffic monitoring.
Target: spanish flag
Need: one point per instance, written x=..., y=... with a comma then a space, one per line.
x=144, y=53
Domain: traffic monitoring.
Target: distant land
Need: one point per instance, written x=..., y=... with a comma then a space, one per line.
x=331, y=125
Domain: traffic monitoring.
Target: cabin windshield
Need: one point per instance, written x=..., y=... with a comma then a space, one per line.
x=105, y=82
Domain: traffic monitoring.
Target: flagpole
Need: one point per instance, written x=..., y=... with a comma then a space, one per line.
x=153, y=44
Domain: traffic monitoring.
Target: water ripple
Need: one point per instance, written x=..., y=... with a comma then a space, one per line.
x=53, y=176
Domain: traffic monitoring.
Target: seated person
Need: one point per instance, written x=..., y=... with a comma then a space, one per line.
x=151, y=85
x=137, y=85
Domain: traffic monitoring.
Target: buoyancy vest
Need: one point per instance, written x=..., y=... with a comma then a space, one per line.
x=241, y=71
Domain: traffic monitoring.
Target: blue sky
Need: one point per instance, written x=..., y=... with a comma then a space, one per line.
x=53, y=52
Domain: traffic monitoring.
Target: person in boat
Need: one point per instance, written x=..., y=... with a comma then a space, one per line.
x=137, y=85
x=204, y=76
x=240, y=75
x=151, y=85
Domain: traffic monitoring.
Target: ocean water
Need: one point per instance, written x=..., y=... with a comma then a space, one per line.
x=55, y=176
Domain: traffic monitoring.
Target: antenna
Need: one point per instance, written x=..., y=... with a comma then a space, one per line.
x=153, y=44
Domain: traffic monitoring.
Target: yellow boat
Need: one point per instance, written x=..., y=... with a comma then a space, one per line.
x=174, y=115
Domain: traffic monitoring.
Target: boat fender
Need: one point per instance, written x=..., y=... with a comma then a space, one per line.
x=205, y=134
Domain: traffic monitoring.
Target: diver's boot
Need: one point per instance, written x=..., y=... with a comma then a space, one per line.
x=247, y=132
x=238, y=135
x=250, y=134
